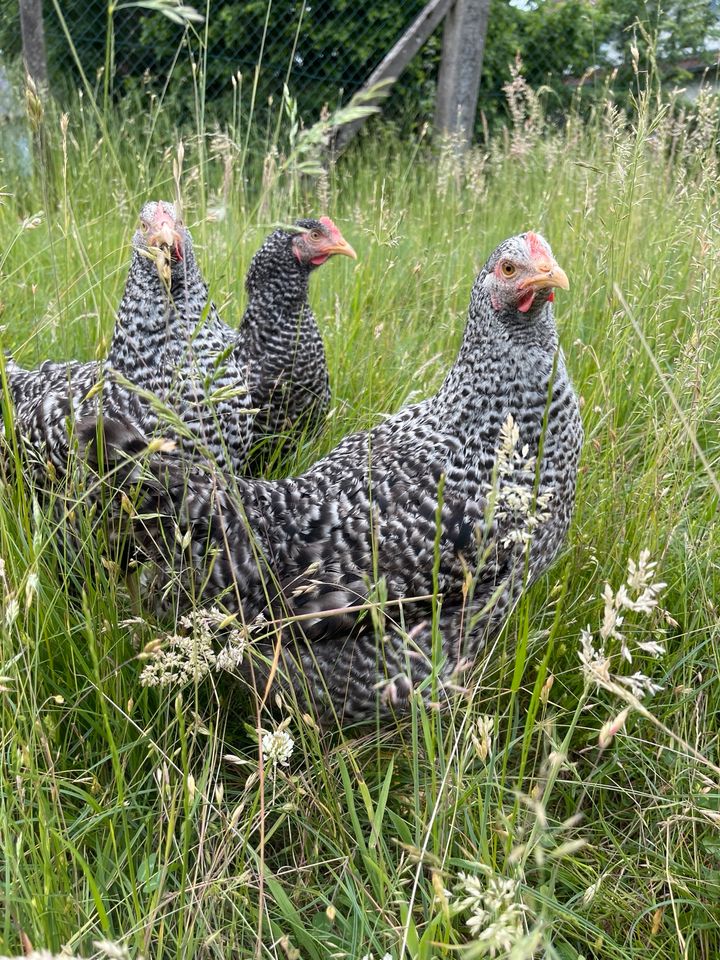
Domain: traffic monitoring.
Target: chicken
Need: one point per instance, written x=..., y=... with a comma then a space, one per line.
x=168, y=362
x=280, y=338
x=173, y=362
x=444, y=498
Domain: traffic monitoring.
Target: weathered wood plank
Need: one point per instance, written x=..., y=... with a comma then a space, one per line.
x=393, y=64
x=32, y=30
x=460, y=68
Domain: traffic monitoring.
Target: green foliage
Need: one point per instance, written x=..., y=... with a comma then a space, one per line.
x=140, y=814
x=674, y=29
x=555, y=40
x=325, y=51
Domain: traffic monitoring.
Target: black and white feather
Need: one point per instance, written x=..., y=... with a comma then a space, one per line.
x=175, y=368
x=168, y=367
x=296, y=558
x=281, y=339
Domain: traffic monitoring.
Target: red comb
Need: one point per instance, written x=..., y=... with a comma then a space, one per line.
x=535, y=245
x=161, y=214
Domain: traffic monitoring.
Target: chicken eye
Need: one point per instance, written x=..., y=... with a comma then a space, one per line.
x=144, y=226
x=508, y=269
x=315, y=235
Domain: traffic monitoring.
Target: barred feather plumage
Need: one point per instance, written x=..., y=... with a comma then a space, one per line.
x=195, y=379
x=295, y=558
x=168, y=343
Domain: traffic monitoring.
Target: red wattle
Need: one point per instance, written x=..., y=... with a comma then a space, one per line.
x=526, y=302
x=316, y=261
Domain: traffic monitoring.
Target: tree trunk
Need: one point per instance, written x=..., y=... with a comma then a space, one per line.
x=33, y=41
x=460, y=69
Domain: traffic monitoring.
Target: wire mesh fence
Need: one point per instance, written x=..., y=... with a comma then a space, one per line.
x=325, y=51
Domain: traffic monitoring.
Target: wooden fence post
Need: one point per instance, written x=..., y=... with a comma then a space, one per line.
x=460, y=69
x=393, y=64
x=32, y=30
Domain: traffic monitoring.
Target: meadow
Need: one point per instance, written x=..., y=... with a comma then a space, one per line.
x=559, y=809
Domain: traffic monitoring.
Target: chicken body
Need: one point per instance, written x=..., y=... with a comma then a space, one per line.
x=445, y=498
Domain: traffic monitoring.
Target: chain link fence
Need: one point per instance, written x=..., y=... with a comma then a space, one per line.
x=323, y=51
x=244, y=51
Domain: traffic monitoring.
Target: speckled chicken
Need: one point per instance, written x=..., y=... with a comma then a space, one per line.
x=279, y=335
x=444, y=497
x=169, y=342
x=168, y=367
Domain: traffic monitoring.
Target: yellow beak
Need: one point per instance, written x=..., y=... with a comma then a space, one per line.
x=549, y=274
x=164, y=235
x=342, y=247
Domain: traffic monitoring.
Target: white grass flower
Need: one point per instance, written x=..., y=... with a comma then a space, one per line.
x=525, y=108
x=203, y=623
x=191, y=787
x=591, y=891
x=231, y=655
x=162, y=776
x=612, y=620
x=640, y=685
x=639, y=582
x=596, y=668
x=653, y=647
x=482, y=737
x=518, y=508
x=277, y=746
x=181, y=660
x=38, y=526
x=595, y=664
x=12, y=609
x=556, y=760
x=546, y=688
x=496, y=913
x=499, y=937
x=31, y=586
x=449, y=162
x=638, y=595
x=646, y=601
x=112, y=950
x=507, y=451
x=641, y=573
x=188, y=658
x=611, y=728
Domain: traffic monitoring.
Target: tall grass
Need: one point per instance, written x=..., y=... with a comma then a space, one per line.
x=143, y=816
